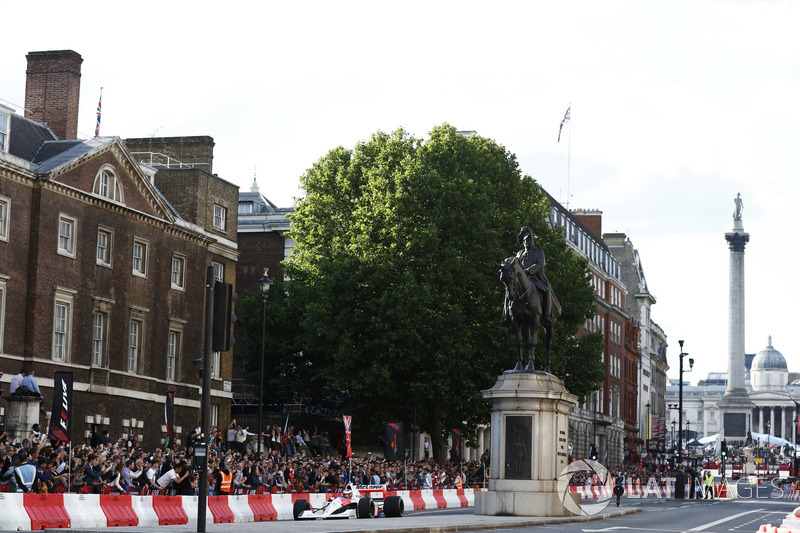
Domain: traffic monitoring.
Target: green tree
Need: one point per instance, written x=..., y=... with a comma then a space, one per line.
x=394, y=286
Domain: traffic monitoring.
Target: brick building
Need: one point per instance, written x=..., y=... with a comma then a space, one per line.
x=608, y=417
x=651, y=340
x=263, y=242
x=103, y=259
x=262, y=236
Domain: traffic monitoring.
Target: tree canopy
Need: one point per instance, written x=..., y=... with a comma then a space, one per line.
x=394, y=300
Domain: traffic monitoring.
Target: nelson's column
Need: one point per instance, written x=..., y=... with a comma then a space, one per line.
x=735, y=404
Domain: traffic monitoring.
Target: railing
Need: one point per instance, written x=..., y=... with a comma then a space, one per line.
x=156, y=160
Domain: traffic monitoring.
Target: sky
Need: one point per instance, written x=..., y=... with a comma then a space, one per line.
x=676, y=107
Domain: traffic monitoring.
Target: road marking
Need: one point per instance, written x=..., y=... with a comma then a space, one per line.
x=717, y=522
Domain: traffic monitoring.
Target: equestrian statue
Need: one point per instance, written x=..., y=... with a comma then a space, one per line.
x=529, y=302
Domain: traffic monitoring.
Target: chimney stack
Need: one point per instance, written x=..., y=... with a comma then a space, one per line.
x=52, y=90
x=592, y=219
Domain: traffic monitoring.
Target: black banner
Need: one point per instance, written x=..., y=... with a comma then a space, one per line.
x=394, y=441
x=458, y=443
x=61, y=419
x=169, y=418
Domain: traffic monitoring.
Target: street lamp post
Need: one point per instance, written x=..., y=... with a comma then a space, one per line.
x=594, y=425
x=794, y=451
x=680, y=393
x=264, y=283
x=794, y=440
x=673, y=434
x=769, y=452
x=688, y=440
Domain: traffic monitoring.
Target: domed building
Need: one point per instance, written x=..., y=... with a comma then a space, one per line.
x=767, y=385
x=768, y=371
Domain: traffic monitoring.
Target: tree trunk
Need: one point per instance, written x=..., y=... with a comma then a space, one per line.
x=438, y=441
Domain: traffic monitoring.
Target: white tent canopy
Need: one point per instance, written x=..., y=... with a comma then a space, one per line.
x=709, y=439
x=762, y=439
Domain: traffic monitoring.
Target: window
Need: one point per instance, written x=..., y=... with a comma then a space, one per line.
x=139, y=258
x=104, y=246
x=98, y=338
x=215, y=364
x=135, y=344
x=60, y=332
x=5, y=203
x=173, y=348
x=214, y=415
x=3, y=280
x=219, y=271
x=220, y=214
x=62, y=324
x=178, y=272
x=66, y=235
x=107, y=185
x=3, y=132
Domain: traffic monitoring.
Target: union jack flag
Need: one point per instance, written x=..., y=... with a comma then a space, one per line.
x=563, y=121
x=99, y=106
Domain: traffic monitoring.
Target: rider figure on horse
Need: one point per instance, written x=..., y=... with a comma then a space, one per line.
x=532, y=260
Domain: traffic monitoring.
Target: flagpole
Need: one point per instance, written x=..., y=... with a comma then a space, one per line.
x=566, y=120
x=569, y=154
x=69, y=467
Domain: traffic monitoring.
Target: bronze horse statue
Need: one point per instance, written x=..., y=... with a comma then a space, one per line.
x=525, y=310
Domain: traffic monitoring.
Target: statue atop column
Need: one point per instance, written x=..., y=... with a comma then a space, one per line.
x=737, y=213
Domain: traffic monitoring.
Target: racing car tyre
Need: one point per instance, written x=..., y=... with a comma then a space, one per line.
x=365, y=508
x=299, y=507
x=393, y=507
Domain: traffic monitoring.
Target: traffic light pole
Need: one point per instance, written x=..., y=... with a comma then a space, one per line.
x=206, y=400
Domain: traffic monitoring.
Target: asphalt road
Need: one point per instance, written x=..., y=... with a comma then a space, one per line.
x=660, y=516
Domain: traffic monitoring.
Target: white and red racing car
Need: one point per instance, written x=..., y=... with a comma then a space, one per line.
x=357, y=501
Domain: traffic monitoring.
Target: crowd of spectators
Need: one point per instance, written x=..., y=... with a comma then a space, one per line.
x=662, y=470
x=294, y=461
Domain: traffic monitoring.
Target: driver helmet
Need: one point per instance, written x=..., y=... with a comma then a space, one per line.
x=348, y=492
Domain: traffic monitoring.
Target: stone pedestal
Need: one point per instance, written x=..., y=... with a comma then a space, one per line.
x=21, y=415
x=530, y=438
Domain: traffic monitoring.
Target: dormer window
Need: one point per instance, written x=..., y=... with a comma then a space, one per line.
x=107, y=185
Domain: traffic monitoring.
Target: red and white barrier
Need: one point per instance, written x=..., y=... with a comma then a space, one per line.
x=84, y=510
x=13, y=516
x=46, y=510
x=143, y=507
x=262, y=508
x=240, y=507
x=190, y=505
x=118, y=509
x=40, y=511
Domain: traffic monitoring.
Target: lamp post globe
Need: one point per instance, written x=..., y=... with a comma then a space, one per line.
x=264, y=283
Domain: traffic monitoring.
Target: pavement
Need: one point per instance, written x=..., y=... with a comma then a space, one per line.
x=438, y=521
